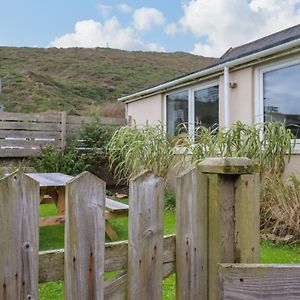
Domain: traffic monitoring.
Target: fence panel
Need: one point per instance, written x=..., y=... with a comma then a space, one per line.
x=85, y=238
x=19, y=236
x=251, y=281
x=22, y=135
x=145, y=237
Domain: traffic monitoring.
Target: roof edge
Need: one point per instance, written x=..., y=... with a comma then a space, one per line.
x=210, y=70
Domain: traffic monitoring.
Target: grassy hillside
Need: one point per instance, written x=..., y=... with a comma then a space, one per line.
x=81, y=80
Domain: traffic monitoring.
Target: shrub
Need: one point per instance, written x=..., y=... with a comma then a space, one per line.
x=280, y=206
x=68, y=161
x=95, y=138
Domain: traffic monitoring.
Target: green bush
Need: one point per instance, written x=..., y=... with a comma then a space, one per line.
x=68, y=161
x=94, y=138
x=87, y=152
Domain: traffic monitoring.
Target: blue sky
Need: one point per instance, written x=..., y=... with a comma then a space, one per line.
x=204, y=27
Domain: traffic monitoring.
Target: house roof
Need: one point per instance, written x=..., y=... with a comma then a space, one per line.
x=266, y=42
x=232, y=54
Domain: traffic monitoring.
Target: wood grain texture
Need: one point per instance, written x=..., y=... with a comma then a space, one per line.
x=30, y=126
x=145, y=237
x=258, y=281
x=19, y=236
x=247, y=218
x=42, y=117
x=221, y=242
x=191, y=235
x=51, y=266
x=84, y=238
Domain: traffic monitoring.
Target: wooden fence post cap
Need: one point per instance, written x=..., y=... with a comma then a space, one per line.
x=227, y=165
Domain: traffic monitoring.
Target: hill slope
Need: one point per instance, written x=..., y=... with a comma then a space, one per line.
x=78, y=80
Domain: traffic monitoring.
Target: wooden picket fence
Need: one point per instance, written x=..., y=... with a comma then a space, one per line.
x=22, y=134
x=217, y=215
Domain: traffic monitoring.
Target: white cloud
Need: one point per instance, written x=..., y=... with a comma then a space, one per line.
x=104, y=10
x=171, y=29
x=89, y=33
x=145, y=18
x=125, y=8
x=223, y=24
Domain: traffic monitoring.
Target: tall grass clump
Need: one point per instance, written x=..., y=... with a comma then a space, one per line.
x=280, y=206
x=266, y=144
x=132, y=150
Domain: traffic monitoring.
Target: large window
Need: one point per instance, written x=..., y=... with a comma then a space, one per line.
x=207, y=106
x=192, y=106
x=281, y=95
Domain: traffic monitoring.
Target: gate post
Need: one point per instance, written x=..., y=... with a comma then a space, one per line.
x=217, y=222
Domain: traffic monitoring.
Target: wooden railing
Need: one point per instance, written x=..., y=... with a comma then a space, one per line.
x=214, y=253
x=22, y=135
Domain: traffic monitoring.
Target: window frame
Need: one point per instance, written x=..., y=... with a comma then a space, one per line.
x=191, y=102
x=259, y=91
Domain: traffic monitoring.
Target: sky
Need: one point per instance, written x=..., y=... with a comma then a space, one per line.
x=203, y=27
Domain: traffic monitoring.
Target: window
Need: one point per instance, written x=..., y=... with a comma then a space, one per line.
x=177, y=111
x=280, y=95
x=192, y=106
x=207, y=106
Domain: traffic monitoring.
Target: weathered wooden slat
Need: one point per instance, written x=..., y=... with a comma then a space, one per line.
x=191, y=235
x=19, y=198
x=113, y=205
x=145, y=237
x=258, y=281
x=28, y=144
x=30, y=126
x=51, y=263
x=84, y=238
x=44, y=117
x=18, y=152
x=247, y=218
x=29, y=134
x=115, y=289
x=220, y=228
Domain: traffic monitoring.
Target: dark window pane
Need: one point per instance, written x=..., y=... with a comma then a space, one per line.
x=282, y=97
x=177, y=111
x=207, y=106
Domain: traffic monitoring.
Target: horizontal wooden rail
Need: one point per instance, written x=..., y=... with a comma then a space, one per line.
x=259, y=281
x=51, y=263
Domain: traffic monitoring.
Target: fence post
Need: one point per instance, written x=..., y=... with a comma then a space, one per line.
x=19, y=236
x=63, y=129
x=85, y=238
x=191, y=235
x=145, y=237
x=217, y=218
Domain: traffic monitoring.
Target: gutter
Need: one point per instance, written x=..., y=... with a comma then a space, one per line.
x=214, y=69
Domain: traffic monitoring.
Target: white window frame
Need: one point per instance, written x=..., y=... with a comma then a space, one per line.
x=191, y=102
x=259, y=91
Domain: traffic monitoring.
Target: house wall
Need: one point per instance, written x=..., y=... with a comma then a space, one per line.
x=242, y=105
x=146, y=110
x=241, y=98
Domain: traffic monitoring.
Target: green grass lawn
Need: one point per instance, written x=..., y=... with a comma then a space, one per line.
x=52, y=237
